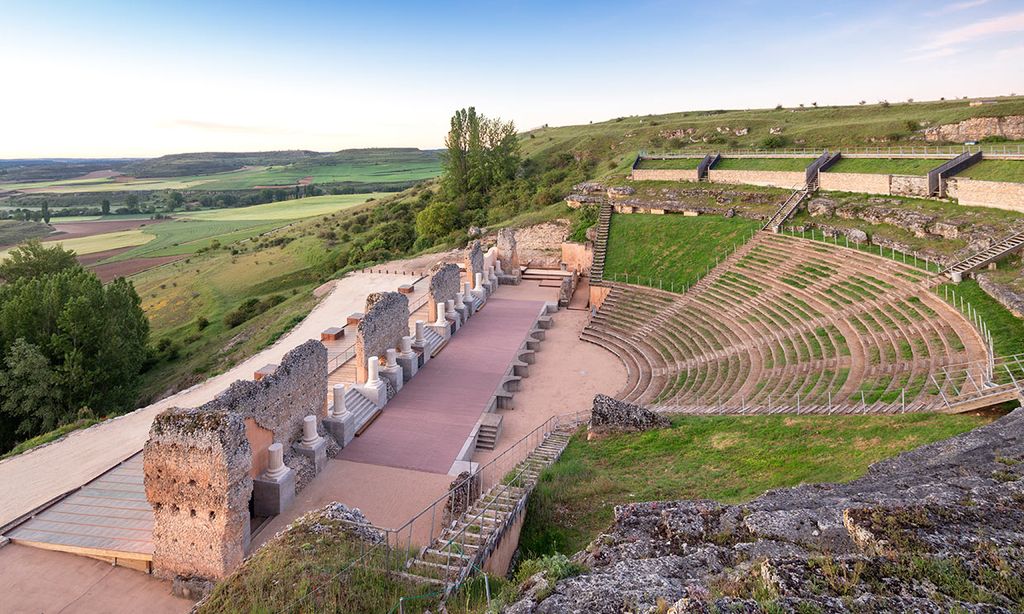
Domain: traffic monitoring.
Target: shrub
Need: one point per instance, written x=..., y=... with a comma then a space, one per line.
x=250, y=309
x=774, y=141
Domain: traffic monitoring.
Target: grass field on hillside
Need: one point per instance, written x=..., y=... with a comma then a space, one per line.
x=285, y=209
x=726, y=458
x=762, y=164
x=883, y=166
x=995, y=170
x=1007, y=329
x=101, y=242
x=671, y=250
x=670, y=164
x=13, y=232
x=187, y=236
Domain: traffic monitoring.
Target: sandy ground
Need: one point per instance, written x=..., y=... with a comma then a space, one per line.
x=35, y=580
x=35, y=477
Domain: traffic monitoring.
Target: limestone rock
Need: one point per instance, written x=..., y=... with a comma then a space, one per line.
x=623, y=190
x=610, y=414
x=821, y=206
x=977, y=128
x=857, y=235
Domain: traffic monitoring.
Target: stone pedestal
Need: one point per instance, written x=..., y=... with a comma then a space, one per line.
x=312, y=445
x=407, y=359
x=956, y=276
x=479, y=292
x=419, y=342
x=339, y=421
x=392, y=371
x=273, y=491
x=467, y=297
x=460, y=308
x=452, y=315
x=374, y=389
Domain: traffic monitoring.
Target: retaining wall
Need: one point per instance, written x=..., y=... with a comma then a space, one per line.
x=445, y=283
x=776, y=179
x=997, y=194
x=909, y=185
x=865, y=183
x=664, y=174
x=577, y=257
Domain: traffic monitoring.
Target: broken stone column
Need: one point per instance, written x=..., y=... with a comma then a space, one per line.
x=419, y=343
x=479, y=291
x=460, y=308
x=274, y=490
x=467, y=297
x=407, y=359
x=392, y=371
x=492, y=280
x=197, y=465
x=956, y=276
x=452, y=315
x=509, y=270
x=444, y=284
x=340, y=423
x=312, y=445
x=374, y=389
x=441, y=325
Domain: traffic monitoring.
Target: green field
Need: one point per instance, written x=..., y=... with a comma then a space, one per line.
x=763, y=164
x=670, y=163
x=670, y=251
x=995, y=170
x=286, y=209
x=99, y=243
x=725, y=458
x=883, y=166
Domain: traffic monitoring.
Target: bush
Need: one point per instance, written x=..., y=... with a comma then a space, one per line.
x=250, y=309
x=586, y=216
x=774, y=141
x=994, y=138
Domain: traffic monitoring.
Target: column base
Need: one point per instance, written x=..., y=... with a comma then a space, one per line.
x=272, y=496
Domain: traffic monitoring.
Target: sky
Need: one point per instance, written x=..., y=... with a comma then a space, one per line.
x=141, y=78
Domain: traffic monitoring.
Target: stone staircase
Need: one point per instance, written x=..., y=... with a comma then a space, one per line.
x=362, y=409
x=469, y=540
x=490, y=429
x=986, y=256
x=787, y=209
x=601, y=244
x=434, y=341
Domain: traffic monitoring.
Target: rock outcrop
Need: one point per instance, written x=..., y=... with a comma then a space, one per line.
x=613, y=415
x=1010, y=127
x=937, y=529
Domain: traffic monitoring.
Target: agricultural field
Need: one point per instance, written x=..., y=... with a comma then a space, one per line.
x=286, y=209
x=670, y=251
x=13, y=232
x=881, y=166
x=725, y=458
x=99, y=243
x=995, y=170
x=762, y=164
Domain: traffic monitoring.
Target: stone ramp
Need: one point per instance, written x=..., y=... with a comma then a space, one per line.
x=108, y=519
x=428, y=422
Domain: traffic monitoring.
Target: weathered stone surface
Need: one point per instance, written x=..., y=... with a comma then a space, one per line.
x=821, y=206
x=621, y=190
x=977, y=128
x=508, y=252
x=352, y=521
x=444, y=285
x=610, y=414
x=196, y=472
x=1012, y=300
x=936, y=529
x=462, y=493
x=385, y=322
x=589, y=187
x=475, y=260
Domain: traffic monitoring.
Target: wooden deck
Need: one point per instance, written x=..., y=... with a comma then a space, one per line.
x=425, y=426
x=108, y=519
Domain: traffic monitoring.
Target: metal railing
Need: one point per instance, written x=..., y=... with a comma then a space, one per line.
x=908, y=258
x=992, y=150
x=349, y=352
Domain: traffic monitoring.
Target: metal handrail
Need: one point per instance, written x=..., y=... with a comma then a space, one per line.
x=924, y=151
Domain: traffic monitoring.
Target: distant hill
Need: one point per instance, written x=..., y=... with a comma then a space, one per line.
x=54, y=169
x=205, y=163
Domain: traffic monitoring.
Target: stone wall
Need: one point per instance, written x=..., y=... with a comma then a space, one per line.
x=909, y=185
x=445, y=281
x=508, y=253
x=475, y=261
x=865, y=183
x=196, y=466
x=997, y=194
x=977, y=128
x=577, y=257
x=779, y=179
x=385, y=321
x=279, y=401
x=664, y=174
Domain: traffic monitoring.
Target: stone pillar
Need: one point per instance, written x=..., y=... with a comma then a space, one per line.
x=419, y=343
x=467, y=295
x=441, y=326
x=452, y=315
x=442, y=320
x=374, y=389
x=480, y=292
x=956, y=276
x=392, y=371
x=460, y=307
x=273, y=492
x=407, y=358
x=312, y=445
x=339, y=421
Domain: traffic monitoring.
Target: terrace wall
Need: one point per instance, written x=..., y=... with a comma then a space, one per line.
x=997, y=194
x=664, y=174
x=776, y=179
x=909, y=185
x=577, y=257
x=865, y=183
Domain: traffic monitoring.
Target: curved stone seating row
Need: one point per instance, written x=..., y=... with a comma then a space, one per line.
x=790, y=323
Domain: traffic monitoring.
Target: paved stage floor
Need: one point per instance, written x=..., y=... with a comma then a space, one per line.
x=425, y=426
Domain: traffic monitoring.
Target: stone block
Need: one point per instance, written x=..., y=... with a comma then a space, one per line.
x=341, y=428
x=271, y=496
x=317, y=452
x=406, y=289
x=353, y=319
x=332, y=334
x=264, y=371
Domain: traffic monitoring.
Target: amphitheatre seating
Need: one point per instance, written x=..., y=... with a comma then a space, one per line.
x=789, y=325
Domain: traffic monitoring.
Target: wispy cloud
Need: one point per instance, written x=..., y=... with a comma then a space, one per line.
x=956, y=7
x=1003, y=24
x=932, y=54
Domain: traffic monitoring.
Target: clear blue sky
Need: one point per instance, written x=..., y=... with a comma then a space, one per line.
x=143, y=78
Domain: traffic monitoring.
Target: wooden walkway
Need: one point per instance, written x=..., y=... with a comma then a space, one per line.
x=425, y=426
x=108, y=518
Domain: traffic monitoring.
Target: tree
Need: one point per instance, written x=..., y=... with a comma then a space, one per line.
x=481, y=153
x=32, y=260
x=131, y=202
x=175, y=200
x=438, y=220
x=29, y=398
x=46, y=211
x=105, y=206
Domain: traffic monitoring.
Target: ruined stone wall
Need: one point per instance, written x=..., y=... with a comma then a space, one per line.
x=445, y=280
x=909, y=185
x=280, y=401
x=385, y=321
x=661, y=174
x=196, y=465
x=475, y=261
x=997, y=194
x=577, y=257
x=779, y=179
x=977, y=128
x=864, y=183
x=508, y=252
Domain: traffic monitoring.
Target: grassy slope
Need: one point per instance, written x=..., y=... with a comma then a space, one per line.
x=101, y=242
x=671, y=248
x=1007, y=329
x=996, y=170
x=13, y=232
x=726, y=458
x=286, y=209
x=687, y=164
x=762, y=164
x=614, y=143
x=884, y=166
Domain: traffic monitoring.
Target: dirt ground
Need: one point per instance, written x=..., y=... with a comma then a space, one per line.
x=73, y=230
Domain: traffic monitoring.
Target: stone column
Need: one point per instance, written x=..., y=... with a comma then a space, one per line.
x=339, y=421
x=407, y=359
x=312, y=445
x=374, y=389
x=460, y=307
x=467, y=293
x=442, y=320
x=391, y=371
x=420, y=344
x=274, y=491
x=451, y=314
x=480, y=292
